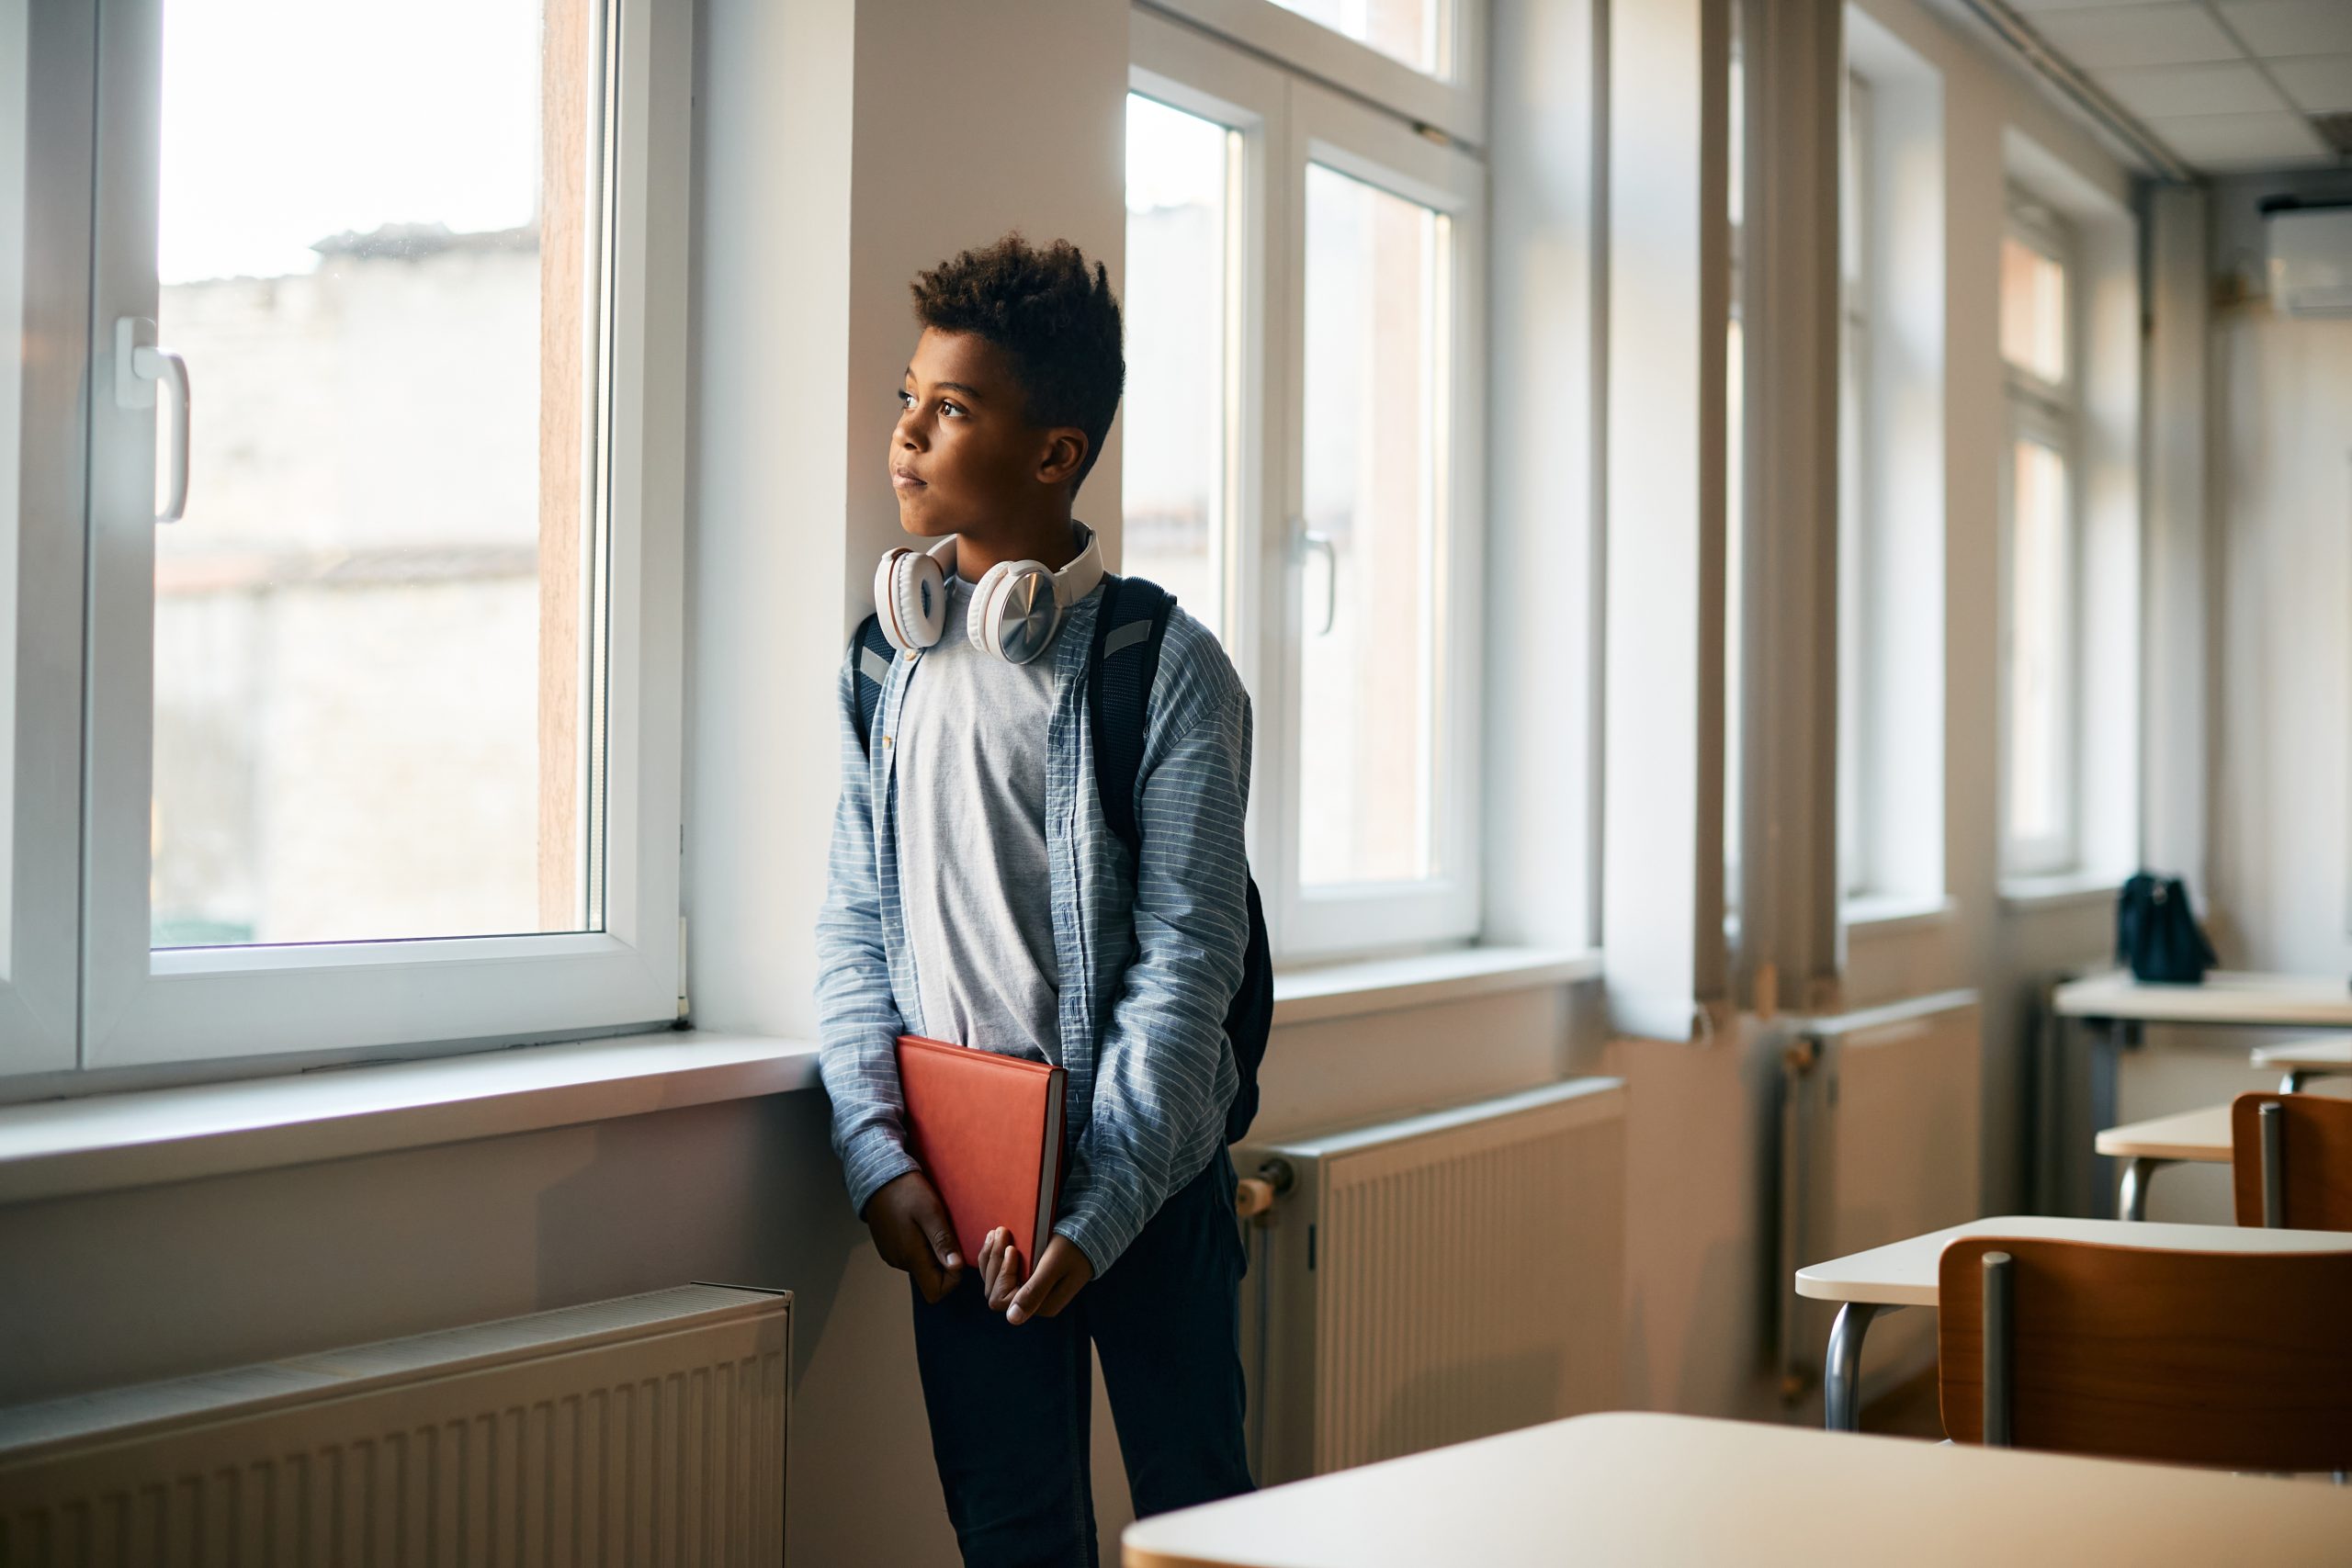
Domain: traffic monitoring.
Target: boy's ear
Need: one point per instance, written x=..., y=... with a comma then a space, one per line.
x=1065, y=454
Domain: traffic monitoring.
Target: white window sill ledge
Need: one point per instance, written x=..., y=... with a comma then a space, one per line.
x=2059, y=891
x=56, y=1148
x=1310, y=995
x=1873, y=913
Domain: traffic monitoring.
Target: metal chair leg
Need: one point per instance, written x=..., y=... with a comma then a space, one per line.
x=2000, y=1269
x=2271, y=1120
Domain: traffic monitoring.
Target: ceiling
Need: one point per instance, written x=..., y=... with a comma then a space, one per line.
x=2230, y=85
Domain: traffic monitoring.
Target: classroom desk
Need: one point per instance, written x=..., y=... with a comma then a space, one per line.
x=2117, y=1008
x=2199, y=1137
x=1636, y=1490
x=1903, y=1273
x=2301, y=1060
x=2230, y=998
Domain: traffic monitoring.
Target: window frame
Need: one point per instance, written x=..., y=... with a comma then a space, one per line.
x=1452, y=100
x=1860, y=653
x=2048, y=414
x=145, y=1008
x=40, y=978
x=1288, y=122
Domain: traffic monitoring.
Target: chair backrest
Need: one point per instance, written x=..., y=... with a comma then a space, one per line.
x=2189, y=1358
x=2311, y=1173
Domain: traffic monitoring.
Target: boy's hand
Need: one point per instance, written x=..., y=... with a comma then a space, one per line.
x=1060, y=1274
x=1001, y=1268
x=912, y=1233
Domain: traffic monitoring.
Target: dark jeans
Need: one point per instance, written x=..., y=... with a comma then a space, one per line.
x=1010, y=1405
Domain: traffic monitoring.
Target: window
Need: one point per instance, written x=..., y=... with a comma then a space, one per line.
x=383, y=645
x=1301, y=431
x=2039, y=549
x=1183, y=317
x=1414, y=31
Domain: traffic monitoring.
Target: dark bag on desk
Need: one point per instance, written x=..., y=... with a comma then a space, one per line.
x=2156, y=934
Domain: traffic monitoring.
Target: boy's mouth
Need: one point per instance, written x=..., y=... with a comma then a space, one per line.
x=902, y=478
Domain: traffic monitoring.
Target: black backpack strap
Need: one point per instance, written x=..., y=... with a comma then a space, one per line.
x=874, y=656
x=1129, y=629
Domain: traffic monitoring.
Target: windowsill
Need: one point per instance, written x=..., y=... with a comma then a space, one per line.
x=1885, y=913
x=58, y=1148
x=1314, y=993
x=2059, y=891
x=55, y=1148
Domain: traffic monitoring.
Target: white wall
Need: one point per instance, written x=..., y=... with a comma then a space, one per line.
x=2281, y=457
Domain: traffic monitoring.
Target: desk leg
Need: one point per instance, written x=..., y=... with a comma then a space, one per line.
x=1842, y=1384
x=2132, y=1203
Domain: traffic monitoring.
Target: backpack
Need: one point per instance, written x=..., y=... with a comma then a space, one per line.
x=2156, y=932
x=1121, y=666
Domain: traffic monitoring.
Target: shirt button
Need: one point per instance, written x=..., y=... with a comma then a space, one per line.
x=886, y=740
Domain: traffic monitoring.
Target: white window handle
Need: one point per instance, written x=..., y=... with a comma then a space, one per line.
x=137, y=367
x=1310, y=541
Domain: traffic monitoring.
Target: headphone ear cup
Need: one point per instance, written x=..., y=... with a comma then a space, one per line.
x=1010, y=588
x=909, y=591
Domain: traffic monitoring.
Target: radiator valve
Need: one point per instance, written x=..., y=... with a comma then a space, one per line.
x=1254, y=1196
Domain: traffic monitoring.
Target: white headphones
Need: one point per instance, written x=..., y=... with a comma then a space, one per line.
x=1016, y=608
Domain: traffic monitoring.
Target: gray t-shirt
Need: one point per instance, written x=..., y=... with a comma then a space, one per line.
x=972, y=864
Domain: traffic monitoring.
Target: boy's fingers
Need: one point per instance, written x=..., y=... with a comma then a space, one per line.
x=941, y=1235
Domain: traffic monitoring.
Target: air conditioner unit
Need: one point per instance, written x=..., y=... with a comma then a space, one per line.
x=2311, y=257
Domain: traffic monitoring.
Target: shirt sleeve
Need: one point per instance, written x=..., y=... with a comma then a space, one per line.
x=858, y=1025
x=1164, y=1070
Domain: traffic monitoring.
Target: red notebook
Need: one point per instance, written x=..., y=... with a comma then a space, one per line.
x=987, y=1130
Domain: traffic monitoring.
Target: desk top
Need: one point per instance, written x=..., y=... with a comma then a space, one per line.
x=2192, y=1135
x=1903, y=1273
x=2321, y=1056
x=1635, y=1489
x=2227, y=997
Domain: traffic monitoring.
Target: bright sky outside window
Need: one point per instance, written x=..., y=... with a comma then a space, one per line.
x=1179, y=403
x=353, y=656
x=2037, y=668
x=2033, y=311
x=1375, y=418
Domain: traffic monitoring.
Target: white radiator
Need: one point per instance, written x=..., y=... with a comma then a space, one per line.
x=649, y=1429
x=1880, y=1112
x=1436, y=1278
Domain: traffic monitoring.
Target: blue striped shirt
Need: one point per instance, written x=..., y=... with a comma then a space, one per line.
x=1150, y=954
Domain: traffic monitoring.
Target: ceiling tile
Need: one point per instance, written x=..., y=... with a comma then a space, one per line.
x=2319, y=84
x=2135, y=35
x=2292, y=27
x=2218, y=142
x=2152, y=90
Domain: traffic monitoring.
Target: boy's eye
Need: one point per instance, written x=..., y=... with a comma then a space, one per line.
x=948, y=405
x=906, y=398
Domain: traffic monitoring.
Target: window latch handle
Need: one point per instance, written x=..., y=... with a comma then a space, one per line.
x=1308, y=541
x=137, y=369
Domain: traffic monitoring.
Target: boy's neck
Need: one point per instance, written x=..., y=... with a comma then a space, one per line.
x=1052, y=541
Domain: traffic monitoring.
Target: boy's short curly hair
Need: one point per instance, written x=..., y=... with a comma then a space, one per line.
x=1053, y=316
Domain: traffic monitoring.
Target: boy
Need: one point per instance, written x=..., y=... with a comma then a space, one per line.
x=978, y=896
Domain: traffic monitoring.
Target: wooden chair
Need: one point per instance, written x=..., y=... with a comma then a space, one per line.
x=2291, y=1160
x=2189, y=1358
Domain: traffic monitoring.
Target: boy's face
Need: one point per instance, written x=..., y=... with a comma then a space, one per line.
x=964, y=456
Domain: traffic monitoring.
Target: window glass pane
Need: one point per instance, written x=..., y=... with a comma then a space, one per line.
x=1376, y=292
x=1409, y=30
x=1178, y=404
x=375, y=713
x=2033, y=311
x=2038, y=625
